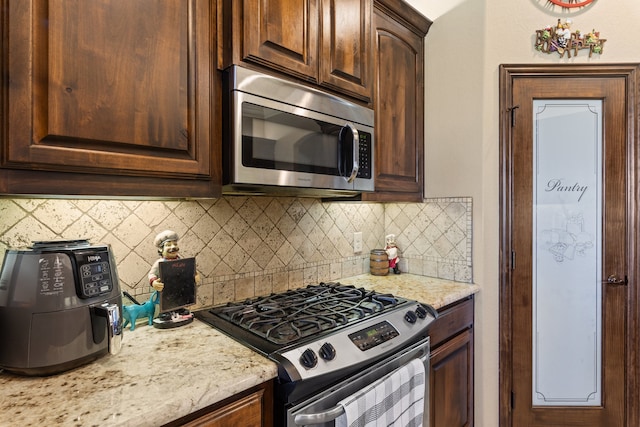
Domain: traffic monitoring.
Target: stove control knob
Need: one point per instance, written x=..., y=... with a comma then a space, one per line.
x=410, y=317
x=327, y=351
x=421, y=312
x=309, y=359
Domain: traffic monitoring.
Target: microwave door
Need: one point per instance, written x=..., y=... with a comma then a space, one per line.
x=286, y=143
x=314, y=151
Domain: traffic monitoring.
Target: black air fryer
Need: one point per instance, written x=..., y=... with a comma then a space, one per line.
x=60, y=307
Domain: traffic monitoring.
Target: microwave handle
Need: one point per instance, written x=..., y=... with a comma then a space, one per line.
x=356, y=150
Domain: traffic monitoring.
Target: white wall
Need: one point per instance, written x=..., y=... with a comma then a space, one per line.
x=467, y=42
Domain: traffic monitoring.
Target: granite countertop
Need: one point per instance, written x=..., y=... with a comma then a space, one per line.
x=435, y=292
x=159, y=375
x=164, y=374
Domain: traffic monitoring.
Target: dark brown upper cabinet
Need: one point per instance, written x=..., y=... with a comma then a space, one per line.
x=323, y=42
x=399, y=32
x=109, y=98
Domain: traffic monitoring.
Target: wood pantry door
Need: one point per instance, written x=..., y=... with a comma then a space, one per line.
x=569, y=239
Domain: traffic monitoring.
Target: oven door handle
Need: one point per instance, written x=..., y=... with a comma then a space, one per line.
x=332, y=413
x=320, y=417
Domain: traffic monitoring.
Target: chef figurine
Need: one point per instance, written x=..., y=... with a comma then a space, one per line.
x=167, y=244
x=392, y=253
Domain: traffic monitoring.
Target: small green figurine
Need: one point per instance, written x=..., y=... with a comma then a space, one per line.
x=133, y=311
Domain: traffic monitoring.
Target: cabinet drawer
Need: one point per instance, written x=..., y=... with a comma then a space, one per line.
x=250, y=408
x=246, y=411
x=452, y=320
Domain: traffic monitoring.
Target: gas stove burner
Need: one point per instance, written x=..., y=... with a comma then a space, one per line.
x=291, y=316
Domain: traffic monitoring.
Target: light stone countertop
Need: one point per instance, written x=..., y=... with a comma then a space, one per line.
x=159, y=375
x=435, y=292
x=162, y=375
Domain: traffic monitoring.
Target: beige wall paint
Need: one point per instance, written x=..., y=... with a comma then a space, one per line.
x=434, y=8
x=464, y=48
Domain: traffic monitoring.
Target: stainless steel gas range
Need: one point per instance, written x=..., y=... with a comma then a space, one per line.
x=329, y=341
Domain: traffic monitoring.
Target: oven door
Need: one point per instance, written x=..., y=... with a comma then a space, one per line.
x=323, y=409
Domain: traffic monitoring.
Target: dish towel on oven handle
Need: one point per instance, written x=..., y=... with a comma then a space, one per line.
x=396, y=400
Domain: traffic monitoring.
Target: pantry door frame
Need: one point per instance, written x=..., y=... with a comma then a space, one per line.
x=580, y=74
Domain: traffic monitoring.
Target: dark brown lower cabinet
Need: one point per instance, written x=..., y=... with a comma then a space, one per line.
x=251, y=408
x=451, y=374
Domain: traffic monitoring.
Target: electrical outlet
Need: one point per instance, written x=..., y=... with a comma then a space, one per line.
x=357, y=241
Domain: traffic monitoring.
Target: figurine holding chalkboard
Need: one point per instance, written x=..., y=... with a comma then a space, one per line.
x=175, y=278
x=167, y=244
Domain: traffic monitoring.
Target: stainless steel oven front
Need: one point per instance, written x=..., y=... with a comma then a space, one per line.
x=323, y=409
x=281, y=134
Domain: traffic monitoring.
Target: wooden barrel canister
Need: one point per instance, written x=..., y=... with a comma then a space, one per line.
x=379, y=262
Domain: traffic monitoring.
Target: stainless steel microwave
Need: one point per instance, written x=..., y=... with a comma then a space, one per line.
x=283, y=137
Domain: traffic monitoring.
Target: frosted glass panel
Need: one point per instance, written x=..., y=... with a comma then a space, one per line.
x=567, y=230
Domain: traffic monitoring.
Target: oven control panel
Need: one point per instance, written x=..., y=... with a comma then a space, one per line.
x=358, y=343
x=373, y=335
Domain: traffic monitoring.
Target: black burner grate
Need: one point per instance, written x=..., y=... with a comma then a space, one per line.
x=288, y=317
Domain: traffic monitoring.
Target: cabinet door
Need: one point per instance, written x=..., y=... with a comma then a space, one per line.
x=108, y=89
x=398, y=103
x=451, y=378
x=282, y=34
x=451, y=374
x=346, y=62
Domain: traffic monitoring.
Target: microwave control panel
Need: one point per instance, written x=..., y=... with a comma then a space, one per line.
x=366, y=155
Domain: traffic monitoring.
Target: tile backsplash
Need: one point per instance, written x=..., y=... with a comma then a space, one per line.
x=248, y=246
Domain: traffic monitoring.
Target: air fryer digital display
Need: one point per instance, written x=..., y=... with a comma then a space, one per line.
x=94, y=272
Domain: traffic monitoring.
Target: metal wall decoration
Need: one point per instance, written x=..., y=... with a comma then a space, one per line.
x=561, y=39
